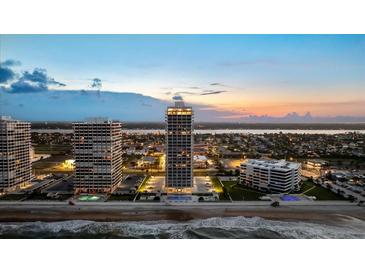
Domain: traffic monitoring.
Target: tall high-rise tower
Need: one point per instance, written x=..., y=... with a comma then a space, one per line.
x=15, y=142
x=98, y=155
x=179, y=147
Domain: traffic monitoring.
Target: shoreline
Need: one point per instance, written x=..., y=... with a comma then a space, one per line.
x=325, y=131
x=324, y=214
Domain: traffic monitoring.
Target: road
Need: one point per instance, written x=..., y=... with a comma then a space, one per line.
x=333, y=212
x=153, y=205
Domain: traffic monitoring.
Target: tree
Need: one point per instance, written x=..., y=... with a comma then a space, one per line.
x=329, y=175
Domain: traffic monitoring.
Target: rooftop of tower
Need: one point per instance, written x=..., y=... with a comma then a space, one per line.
x=179, y=104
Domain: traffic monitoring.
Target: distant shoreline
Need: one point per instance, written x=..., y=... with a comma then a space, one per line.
x=220, y=131
x=219, y=126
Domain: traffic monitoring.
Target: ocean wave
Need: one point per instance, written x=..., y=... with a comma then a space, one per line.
x=226, y=227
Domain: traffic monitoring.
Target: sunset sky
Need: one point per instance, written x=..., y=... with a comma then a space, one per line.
x=238, y=75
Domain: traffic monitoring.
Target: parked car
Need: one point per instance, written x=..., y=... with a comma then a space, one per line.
x=275, y=204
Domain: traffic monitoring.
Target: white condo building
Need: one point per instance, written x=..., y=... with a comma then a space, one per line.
x=15, y=164
x=179, y=148
x=275, y=176
x=98, y=155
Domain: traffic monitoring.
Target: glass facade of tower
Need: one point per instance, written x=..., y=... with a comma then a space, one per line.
x=15, y=165
x=98, y=156
x=179, y=146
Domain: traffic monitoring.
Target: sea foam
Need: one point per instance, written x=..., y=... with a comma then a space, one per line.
x=226, y=227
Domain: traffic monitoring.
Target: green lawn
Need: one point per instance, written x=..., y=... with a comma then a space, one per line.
x=305, y=186
x=240, y=193
x=34, y=196
x=321, y=193
x=12, y=197
x=56, y=149
x=216, y=184
x=219, y=189
x=49, y=162
x=43, y=197
x=52, y=164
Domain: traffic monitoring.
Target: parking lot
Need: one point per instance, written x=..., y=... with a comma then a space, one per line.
x=203, y=184
x=154, y=184
x=64, y=186
x=130, y=184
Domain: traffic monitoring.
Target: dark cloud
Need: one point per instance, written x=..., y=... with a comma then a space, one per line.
x=10, y=63
x=40, y=76
x=219, y=85
x=211, y=92
x=194, y=87
x=177, y=97
x=178, y=93
x=22, y=86
x=6, y=75
x=196, y=93
x=185, y=92
x=35, y=81
x=96, y=83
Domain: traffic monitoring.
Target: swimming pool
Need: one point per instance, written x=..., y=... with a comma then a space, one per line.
x=89, y=198
x=179, y=198
x=289, y=198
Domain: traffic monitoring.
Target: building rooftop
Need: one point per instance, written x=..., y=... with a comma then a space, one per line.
x=179, y=104
x=273, y=164
x=97, y=120
x=10, y=120
x=6, y=118
x=200, y=158
x=179, y=108
x=149, y=159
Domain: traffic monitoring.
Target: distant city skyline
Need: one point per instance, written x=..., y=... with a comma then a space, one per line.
x=226, y=78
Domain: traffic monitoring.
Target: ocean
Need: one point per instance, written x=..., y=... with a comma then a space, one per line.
x=212, y=228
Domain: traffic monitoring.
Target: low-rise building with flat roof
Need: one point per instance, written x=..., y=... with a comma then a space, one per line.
x=274, y=176
x=147, y=162
x=200, y=161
